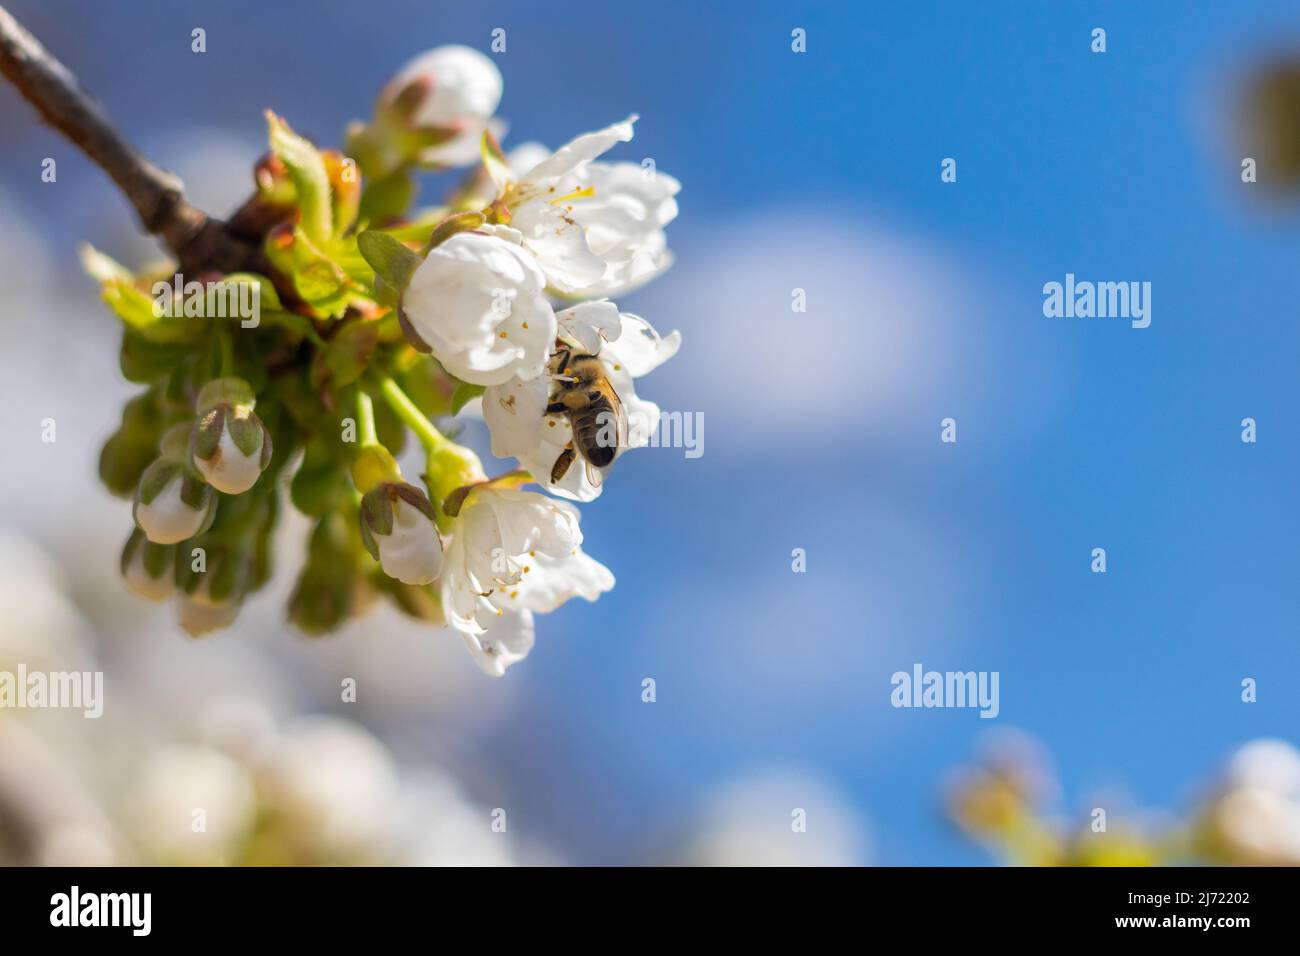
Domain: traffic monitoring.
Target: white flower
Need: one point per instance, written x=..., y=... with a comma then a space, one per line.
x=478, y=303
x=515, y=412
x=513, y=551
x=453, y=90
x=172, y=504
x=596, y=228
x=398, y=530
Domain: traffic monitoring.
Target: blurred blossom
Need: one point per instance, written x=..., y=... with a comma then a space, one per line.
x=1252, y=816
x=1253, y=819
x=192, y=805
x=47, y=814
x=199, y=758
x=42, y=628
x=775, y=818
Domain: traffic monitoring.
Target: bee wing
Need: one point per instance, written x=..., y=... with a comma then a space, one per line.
x=620, y=424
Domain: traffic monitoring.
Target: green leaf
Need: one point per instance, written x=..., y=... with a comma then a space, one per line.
x=347, y=355
x=463, y=394
x=268, y=298
x=307, y=171
x=345, y=190
x=392, y=261
x=143, y=313
x=388, y=198
x=318, y=279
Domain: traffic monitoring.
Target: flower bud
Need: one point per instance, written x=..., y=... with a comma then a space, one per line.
x=211, y=594
x=229, y=444
x=172, y=502
x=147, y=568
x=423, y=603
x=330, y=588
x=133, y=446
x=224, y=576
x=199, y=616
x=445, y=98
x=397, y=528
x=450, y=467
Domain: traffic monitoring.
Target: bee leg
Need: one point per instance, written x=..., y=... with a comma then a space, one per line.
x=562, y=463
x=556, y=408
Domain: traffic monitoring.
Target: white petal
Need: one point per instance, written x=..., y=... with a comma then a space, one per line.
x=560, y=245
x=507, y=638
x=640, y=349
x=515, y=413
x=580, y=150
x=553, y=581
x=591, y=324
x=412, y=553
x=477, y=301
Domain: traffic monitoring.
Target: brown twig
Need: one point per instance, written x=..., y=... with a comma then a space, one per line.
x=198, y=241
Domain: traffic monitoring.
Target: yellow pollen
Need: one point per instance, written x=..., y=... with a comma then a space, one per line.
x=525, y=325
x=532, y=554
x=503, y=335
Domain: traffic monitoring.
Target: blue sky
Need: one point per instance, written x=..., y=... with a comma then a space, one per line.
x=821, y=171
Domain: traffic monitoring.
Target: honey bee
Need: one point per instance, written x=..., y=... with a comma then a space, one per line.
x=584, y=394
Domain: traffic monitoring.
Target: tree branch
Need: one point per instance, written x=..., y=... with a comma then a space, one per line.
x=198, y=241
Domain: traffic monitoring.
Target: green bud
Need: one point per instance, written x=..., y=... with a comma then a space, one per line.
x=330, y=588
x=449, y=467
x=374, y=465
x=147, y=568
x=231, y=391
x=133, y=446
x=397, y=528
x=173, y=503
x=229, y=444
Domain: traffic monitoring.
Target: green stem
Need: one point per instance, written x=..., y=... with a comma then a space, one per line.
x=411, y=415
x=366, y=419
